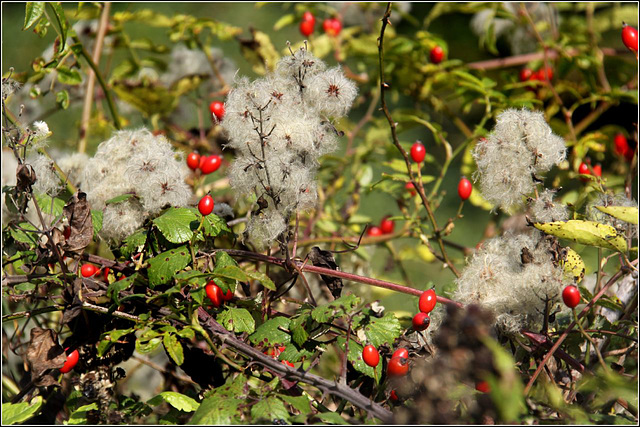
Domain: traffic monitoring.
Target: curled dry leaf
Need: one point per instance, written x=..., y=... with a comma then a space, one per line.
x=25, y=176
x=44, y=353
x=321, y=258
x=78, y=213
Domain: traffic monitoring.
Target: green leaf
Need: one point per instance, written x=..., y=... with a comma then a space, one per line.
x=134, y=243
x=174, y=348
x=269, y=409
x=33, y=12
x=337, y=308
x=149, y=100
x=96, y=218
x=383, y=330
x=148, y=341
x=271, y=333
x=331, y=418
x=300, y=403
x=165, y=265
x=623, y=213
x=177, y=400
x=298, y=327
x=44, y=201
x=68, y=76
x=216, y=410
x=14, y=413
x=62, y=99
x=230, y=272
x=25, y=236
x=63, y=24
x=79, y=416
x=175, y=224
x=214, y=225
x=587, y=233
x=262, y=278
x=120, y=198
x=284, y=20
x=237, y=320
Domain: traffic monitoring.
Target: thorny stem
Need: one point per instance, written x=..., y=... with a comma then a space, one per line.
x=418, y=185
x=88, y=100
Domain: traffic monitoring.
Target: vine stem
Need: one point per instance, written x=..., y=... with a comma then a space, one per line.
x=565, y=334
x=91, y=82
x=417, y=185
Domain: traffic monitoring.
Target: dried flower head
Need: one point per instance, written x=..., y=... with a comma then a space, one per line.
x=47, y=181
x=545, y=209
x=610, y=199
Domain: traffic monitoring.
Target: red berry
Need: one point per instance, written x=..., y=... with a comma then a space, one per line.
x=214, y=293
x=88, y=270
x=584, y=169
x=286, y=362
x=217, y=109
x=543, y=73
x=386, y=225
x=597, y=170
x=571, y=296
x=306, y=28
x=211, y=164
x=483, y=386
x=205, y=205
x=421, y=321
x=70, y=363
x=427, y=301
x=436, y=55
x=203, y=159
x=418, y=152
x=370, y=355
x=393, y=396
x=464, y=188
x=621, y=145
x=630, y=37
x=308, y=16
x=193, y=160
x=374, y=231
x=526, y=74
x=332, y=26
x=227, y=296
x=401, y=352
x=398, y=366
x=409, y=186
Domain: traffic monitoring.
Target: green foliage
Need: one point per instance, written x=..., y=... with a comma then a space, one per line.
x=14, y=413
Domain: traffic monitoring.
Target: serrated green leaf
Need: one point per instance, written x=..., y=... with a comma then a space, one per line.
x=187, y=333
x=96, y=219
x=331, y=418
x=298, y=327
x=214, y=225
x=25, y=236
x=624, y=213
x=270, y=332
x=586, y=232
x=237, y=320
x=177, y=400
x=68, y=76
x=44, y=201
x=262, y=278
x=269, y=409
x=134, y=243
x=175, y=224
x=300, y=403
x=383, y=330
x=33, y=12
x=165, y=265
x=174, y=348
x=147, y=346
x=14, y=413
x=61, y=19
x=215, y=410
x=337, y=308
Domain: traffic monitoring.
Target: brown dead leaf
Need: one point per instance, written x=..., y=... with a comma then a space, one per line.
x=43, y=354
x=78, y=213
x=25, y=176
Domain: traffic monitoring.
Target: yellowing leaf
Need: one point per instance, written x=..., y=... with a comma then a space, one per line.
x=573, y=265
x=624, y=213
x=586, y=232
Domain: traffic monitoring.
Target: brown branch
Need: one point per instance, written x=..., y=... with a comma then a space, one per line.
x=516, y=60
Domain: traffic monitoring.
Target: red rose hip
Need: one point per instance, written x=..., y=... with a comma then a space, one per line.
x=386, y=225
x=525, y=74
x=193, y=161
x=398, y=367
x=308, y=16
x=88, y=270
x=370, y=355
x=483, y=386
x=421, y=321
x=306, y=28
x=620, y=144
x=464, y=188
x=217, y=109
x=211, y=164
x=401, y=352
x=70, y=363
x=214, y=293
x=427, y=301
x=571, y=296
x=205, y=205
x=630, y=37
x=332, y=26
x=436, y=55
x=418, y=152
x=374, y=231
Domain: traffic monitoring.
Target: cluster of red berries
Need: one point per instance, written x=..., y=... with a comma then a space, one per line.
x=206, y=164
x=216, y=295
x=217, y=110
x=331, y=26
x=276, y=352
x=542, y=74
x=386, y=227
x=622, y=148
x=584, y=170
x=398, y=366
x=426, y=304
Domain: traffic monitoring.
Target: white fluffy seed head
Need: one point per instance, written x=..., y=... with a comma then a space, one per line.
x=332, y=92
x=521, y=145
x=512, y=275
x=73, y=165
x=120, y=220
x=47, y=181
x=546, y=209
